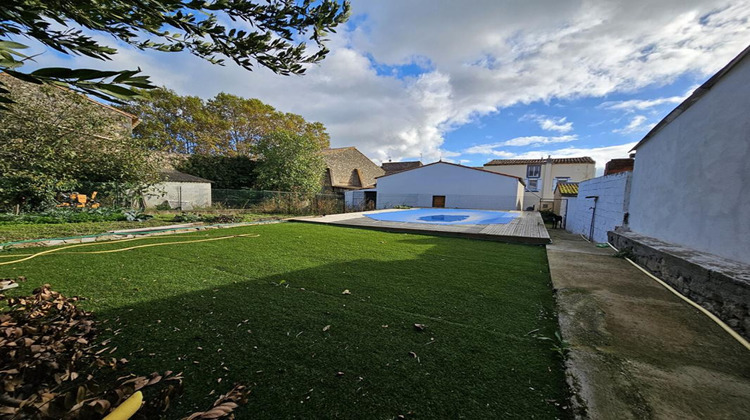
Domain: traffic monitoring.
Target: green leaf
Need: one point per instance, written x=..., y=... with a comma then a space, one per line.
x=23, y=76
x=12, y=45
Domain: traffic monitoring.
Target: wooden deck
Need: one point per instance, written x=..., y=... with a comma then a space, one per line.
x=527, y=228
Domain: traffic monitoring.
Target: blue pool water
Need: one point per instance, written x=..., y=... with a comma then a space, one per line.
x=446, y=216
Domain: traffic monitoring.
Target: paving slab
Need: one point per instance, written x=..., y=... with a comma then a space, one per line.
x=637, y=350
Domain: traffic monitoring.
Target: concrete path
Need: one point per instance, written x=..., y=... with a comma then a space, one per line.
x=638, y=351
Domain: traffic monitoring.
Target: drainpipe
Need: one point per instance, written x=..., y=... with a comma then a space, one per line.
x=593, y=216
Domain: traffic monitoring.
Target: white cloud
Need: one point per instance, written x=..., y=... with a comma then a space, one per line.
x=559, y=124
x=633, y=105
x=481, y=59
x=491, y=148
x=547, y=123
x=637, y=124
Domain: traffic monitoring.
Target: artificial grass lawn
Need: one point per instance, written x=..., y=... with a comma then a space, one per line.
x=258, y=307
x=25, y=231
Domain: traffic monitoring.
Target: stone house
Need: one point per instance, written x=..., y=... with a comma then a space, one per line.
x=55, y=97
x=348, y=169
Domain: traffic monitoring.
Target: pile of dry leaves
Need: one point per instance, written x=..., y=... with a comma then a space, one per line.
x=51, y=367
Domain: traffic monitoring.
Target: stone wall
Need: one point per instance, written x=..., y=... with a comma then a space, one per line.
x=718, y=284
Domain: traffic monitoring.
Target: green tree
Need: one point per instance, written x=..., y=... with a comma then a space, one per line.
x=225, y=125
x=289, y=162
x=270, y=33
x=55, y=140
x=171, y=121
x=226, y=172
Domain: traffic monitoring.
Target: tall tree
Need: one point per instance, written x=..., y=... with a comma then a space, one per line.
x=289, y=162
x=239, y=123
x=276, y=40
x=225, y=125
x=55, y=140
x=171, y=121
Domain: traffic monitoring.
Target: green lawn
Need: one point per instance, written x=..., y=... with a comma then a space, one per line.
x=10, y=231
x=258, y=307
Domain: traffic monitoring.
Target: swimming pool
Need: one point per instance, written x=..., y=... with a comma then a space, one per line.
x=446, y=216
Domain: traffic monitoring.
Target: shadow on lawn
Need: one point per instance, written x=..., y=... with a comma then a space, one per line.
x=475, y=359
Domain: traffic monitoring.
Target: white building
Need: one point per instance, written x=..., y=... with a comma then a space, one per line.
x=180, y=191
x=691, y=181
x=443, y=184
x=600, y=205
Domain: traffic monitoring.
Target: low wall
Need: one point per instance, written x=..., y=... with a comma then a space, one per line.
x=720, y=285
x=611, y=206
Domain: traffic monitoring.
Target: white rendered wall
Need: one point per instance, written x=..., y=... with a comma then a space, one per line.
x=611, y=206
x=355, y=199
x=193, y=194
x=691, y=181
x=462, y=187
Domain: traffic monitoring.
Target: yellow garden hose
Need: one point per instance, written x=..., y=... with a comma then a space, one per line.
x=39, y=254
x=713, y=317
x=126, y=410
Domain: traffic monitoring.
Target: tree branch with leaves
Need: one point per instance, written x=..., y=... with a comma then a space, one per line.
x=271, y=33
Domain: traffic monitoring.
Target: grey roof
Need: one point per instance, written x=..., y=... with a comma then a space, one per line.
x=393, y=167
x=176, y=176
x=556, y=161
x=697, y=94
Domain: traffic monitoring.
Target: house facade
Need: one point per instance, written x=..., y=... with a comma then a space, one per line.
x=542, y=175
x=443, y=184
x=691, y=180
x=348, y=169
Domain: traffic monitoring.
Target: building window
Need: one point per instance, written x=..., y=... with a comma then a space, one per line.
x=532, y=184
x=533, y=171
x=558, y=180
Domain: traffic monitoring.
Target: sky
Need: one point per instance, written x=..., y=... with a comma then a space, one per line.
x=472, y=81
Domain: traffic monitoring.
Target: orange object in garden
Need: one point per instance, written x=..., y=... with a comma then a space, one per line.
x=79, y=201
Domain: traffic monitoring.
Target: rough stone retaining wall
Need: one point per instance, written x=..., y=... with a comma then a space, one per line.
x=720, y=285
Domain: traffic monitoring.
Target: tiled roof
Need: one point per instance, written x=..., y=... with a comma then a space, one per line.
x=568, y=188
x=176, y=176
x=556, y=161
x=349, y=168
x=393, y=167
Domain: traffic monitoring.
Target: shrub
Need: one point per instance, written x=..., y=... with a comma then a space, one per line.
x=63, y=215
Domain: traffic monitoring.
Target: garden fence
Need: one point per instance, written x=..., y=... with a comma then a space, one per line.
x=278, y=201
